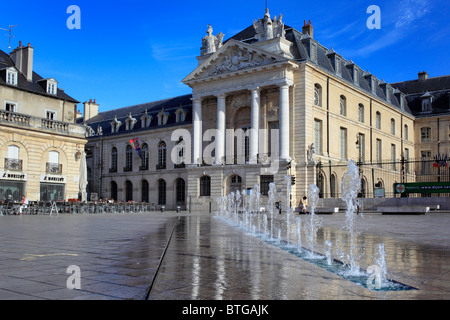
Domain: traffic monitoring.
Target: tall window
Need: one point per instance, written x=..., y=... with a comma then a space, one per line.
x=318, y=136
x=378, y=120
x=362, y=146
x=50, y=115
x=425, y=134
x=113, y=160
x=379, y=154
x=361, y=113
x=12, y=162
x=343, y=144
x=145, y=157
x=180, y=188
x=333, y=186
x=343, y=106
x=406, y=160
x=264, y=183
x=128, y=158
x=406, y=132
x=162, y=149
x=161, y=192
x=205, y=186
x=53, y=165
x=426, y=162
x=317, y=95
x=392, y=126
x=393, y=156
x=128, y=191
x=144, y=191
x=113, y=188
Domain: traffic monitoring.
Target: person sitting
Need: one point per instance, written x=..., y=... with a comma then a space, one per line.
x=304, y=204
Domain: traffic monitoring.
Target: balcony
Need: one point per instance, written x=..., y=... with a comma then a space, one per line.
x=13, y=165
x=127, y=169
x=53, y=168
x=143, y=167
x=24, y=121
x=161, y=166
x=112, y=170
x=179, y=166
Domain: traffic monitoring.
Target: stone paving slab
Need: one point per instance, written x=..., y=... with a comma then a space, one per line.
x=129, y=256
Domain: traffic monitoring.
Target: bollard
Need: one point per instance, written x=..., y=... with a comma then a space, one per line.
x=163, y=208
x=178, y=208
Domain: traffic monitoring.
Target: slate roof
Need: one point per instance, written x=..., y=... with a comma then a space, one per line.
x=301, y=51
x=30, y=86
x=170, y=106
x=437, y=87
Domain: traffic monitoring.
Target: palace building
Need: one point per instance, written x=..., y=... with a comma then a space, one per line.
x=268, y=102
x=40, y=143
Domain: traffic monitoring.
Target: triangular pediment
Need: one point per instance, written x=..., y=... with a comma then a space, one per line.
x=233, y=56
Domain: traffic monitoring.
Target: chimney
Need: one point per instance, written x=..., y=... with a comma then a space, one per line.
x=308, y=29
x=90, y=109
x=423, y=75
x=23, y=60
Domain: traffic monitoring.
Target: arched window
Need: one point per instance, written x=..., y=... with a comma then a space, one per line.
x=205, y=186
x=343, y=106
x=12, y=162
x=317, y=95
x=361, y=112
x=180, y=188
x=393, y=126
x=128, y=191
x=145, y=157
x=113, y=160
x=162, y=149
x=144, y=191
x=53, y=165
x=378, y=120
x=235, y=184
x=162, y=192
x=128, y=159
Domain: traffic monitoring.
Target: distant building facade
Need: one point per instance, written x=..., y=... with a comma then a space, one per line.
x=266, y=103
x=40, y=143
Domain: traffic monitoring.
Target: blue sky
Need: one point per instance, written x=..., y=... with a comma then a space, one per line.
x=136, y=51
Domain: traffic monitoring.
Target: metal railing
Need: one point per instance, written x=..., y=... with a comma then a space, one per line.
x=53, y=168
x=13, y=164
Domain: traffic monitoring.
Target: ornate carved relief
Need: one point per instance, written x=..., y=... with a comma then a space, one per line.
x=237, y=59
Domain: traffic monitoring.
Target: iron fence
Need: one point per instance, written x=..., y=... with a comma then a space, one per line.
x=378, y=178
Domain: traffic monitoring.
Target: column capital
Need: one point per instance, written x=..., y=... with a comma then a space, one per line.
x=221, y=95
x=196, y=99
x=286, y=83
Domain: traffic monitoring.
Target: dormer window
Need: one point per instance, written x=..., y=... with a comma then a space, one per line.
x=51, y=88
x=146, y=120
x=130, y=122
x=11, y=76
x=427, y=100
x=180, y=115
x=115, y=125
x=163, y=117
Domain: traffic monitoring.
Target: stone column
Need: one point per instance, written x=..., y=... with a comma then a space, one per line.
x=284, y=122
x=254, y=131
x=220, y=137
x=197, y=122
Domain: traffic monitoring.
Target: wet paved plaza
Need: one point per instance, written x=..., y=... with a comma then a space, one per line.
x=169, y=256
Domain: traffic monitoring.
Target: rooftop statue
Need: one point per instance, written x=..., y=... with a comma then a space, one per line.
x=211, y=43
x=267, y=28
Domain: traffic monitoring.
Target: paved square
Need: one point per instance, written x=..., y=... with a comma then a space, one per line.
x=169, y=256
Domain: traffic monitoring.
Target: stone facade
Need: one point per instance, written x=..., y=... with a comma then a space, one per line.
x=40, y=143
x=325, y=111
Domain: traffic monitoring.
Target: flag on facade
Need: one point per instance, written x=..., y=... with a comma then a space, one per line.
x=440, y=161
x=135, y=144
